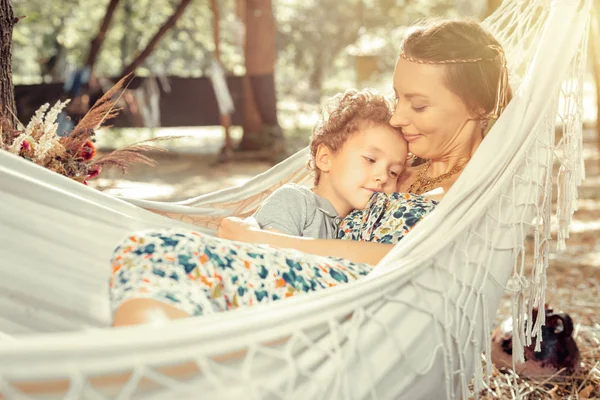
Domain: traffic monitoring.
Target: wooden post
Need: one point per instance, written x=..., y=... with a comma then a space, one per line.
x=7, y=91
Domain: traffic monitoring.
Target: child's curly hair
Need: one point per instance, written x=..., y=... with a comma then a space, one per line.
x=344, y=115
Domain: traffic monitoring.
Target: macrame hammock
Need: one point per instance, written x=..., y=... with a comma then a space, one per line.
x=413, y=329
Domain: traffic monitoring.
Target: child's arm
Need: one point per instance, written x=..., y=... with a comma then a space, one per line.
x=360, y=252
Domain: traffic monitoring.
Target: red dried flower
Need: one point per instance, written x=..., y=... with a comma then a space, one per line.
x=94, y=172
x=87, y=151
x=25, y=146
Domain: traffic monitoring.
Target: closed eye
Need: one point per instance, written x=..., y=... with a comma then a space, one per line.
x=394, y=174
x=369, y=159
x=419, y=109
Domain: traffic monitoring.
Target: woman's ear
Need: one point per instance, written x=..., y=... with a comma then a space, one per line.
x=323, y=158
x=482, y=118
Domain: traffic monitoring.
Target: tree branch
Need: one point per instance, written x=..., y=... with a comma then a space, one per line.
x=139, y=60
x=97, y=42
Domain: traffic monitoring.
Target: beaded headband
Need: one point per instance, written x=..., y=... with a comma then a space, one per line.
x=501, y=95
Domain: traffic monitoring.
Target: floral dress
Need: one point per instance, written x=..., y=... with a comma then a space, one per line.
x=201, y=274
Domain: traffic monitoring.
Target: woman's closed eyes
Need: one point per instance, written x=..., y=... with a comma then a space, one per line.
x=418, y=109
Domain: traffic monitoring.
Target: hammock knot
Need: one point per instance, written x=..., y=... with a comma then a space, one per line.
x=517, y=283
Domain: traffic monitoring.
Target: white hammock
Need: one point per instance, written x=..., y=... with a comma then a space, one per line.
x=413, y=329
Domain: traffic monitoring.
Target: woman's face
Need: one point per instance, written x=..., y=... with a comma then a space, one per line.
x=434, y=121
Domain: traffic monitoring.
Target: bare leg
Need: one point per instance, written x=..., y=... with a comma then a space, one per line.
x=145, y=311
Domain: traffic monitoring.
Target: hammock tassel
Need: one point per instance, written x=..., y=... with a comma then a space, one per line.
x=517, y=286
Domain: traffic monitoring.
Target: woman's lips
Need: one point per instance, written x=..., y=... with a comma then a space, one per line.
x=411, y=138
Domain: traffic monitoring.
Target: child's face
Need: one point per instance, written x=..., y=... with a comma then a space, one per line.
x=370, y=161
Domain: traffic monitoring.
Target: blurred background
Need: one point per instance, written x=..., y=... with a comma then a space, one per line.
x=281, y=60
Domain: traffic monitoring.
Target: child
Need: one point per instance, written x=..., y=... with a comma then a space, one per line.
x=355, y=152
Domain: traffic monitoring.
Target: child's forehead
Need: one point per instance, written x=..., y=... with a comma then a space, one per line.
x=382, y=137
x=392, y=152
x=394, y=149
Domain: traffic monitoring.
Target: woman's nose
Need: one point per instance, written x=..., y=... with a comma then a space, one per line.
x=398, y=118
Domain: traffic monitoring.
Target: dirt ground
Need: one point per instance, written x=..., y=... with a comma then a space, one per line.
x=573, y=275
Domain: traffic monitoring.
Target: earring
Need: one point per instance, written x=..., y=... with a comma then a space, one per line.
x=484, y=124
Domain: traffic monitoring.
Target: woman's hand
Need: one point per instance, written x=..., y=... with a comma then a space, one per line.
x=242, y=230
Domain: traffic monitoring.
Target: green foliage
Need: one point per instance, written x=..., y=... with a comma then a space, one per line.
x=313, y=38
x=64, y=29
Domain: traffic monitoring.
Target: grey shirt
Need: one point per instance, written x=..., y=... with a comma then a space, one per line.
x=295, y=210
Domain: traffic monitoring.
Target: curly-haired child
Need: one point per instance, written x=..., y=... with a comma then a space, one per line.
x=355, y=152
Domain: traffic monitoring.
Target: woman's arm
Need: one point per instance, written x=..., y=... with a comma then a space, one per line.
x=355, y=251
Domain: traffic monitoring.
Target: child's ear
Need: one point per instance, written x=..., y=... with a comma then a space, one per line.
x=323, y=158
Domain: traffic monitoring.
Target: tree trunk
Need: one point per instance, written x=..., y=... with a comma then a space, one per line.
x=493, y=5
x=595, y=57
x=7, y=91
x=261, y=128
x=139, y=60
x=251, y=122
x=97, y=42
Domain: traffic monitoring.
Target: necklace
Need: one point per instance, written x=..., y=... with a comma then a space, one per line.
x=423, y=184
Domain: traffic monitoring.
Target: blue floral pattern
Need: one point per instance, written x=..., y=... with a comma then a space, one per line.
x=387, y=218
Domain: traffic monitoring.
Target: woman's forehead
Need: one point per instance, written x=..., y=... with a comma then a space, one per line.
x=413, y=79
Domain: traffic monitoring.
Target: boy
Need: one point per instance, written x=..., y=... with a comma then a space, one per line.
x=355, y=152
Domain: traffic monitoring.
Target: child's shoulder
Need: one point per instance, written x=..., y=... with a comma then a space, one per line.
x=293, y=191
x=294, y=188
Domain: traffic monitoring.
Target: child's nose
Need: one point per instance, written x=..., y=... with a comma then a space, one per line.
x=381, y=177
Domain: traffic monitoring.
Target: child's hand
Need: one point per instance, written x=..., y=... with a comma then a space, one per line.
x=242, y=230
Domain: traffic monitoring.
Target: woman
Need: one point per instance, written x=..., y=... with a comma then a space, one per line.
x=450, y=81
